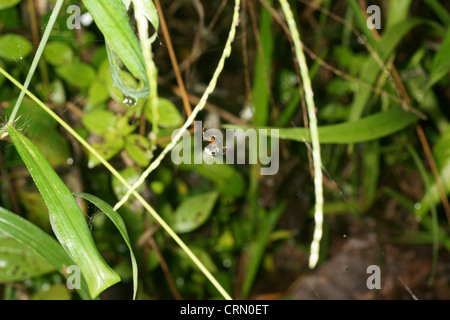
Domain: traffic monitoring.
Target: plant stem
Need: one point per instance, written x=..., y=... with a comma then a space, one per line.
x=152, y=71
x=36, y=58
x=317, y=162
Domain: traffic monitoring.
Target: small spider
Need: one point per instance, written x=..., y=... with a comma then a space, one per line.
x=215, y=146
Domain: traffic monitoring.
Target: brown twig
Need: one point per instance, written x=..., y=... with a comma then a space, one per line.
x=231, y=118
x=437, y=178
x=165, y=269
x=173, y=59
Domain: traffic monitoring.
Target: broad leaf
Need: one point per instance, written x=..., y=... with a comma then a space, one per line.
x=14, y=47
x=193, y=212
x=67, y=220
x=120, y=225
x=33, y=238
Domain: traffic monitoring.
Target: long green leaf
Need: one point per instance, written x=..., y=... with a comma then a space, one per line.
x=37, y=240
x=262, y=78
x=371, y=68
x=120, y=225
x=441, y=62
x=369, y=128
x=68, y=221
x=112, y=20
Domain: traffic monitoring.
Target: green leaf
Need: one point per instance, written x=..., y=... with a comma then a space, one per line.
x=99, y=121
x=131, y=175
x=369, y=128
x=441, y=62
x=55, y=292
x=262, y=74
x=169, y=116
x=5, y=4
x=257, y=248
x=68, y=222
x=138, y=148
x=18, y=262
x=35, y=239
x=112, y=20
x=441, y=154
x=98, y=93
x=107, y=150
x=150, y=12
x=14, y=47
x=371, y=68
x=120, y=225
x=46, y=136
x=193, y=212
x=398, y=12
x=228, y=180
x=77, y=74
x=58, y=53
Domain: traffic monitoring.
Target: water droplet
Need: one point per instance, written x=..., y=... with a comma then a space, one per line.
x=180, y=281
x=129, y=101
x=90, y=164
x=417, y=206
x=226, y=263
x=69, y=161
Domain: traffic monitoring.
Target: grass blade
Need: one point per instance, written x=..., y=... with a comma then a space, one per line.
x=37, y=240
x=370, y=128
x=67, y=219
x=37, y=57
x=120, y=225
x=372, y=67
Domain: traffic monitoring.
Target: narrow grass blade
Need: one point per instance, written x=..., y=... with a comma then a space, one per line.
x=258, y=247
x=67, y=219
x=441, y=62
x=439, y=10
x=370, y=128
x=262, y=76
x=120, y=225
x=37, y=57
x=37, y=240
x=371, y=69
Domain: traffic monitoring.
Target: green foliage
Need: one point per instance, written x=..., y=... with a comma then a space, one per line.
x=193, y=212
x=232, y=221
x=14, y=47
x=5, y=4
x=66, y=217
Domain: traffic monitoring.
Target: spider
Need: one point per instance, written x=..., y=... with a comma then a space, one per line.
x=214, y=147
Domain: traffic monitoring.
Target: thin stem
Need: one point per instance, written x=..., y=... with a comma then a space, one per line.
x=317, y=162
x=173, y=59
x=152, y=72
x=36, y=58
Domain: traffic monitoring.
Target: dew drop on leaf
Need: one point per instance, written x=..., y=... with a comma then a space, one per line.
x=129, y=101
